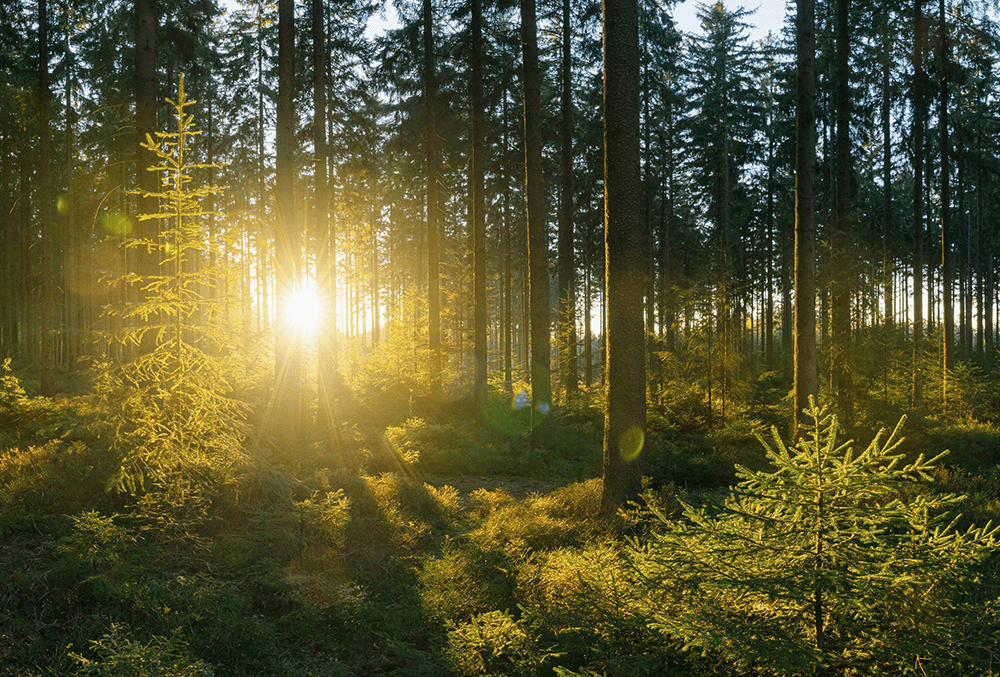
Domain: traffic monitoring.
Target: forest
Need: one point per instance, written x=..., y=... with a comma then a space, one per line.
x=499, y=338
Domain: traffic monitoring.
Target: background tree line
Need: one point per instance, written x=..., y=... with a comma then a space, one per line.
x=443, y=185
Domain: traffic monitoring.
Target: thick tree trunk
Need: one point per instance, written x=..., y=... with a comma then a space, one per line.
x=538, y=246
x=625, y=416
x=479, y=209
x=805, y=218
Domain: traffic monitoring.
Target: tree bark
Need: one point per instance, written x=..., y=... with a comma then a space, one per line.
x=288, y=341
x=887, y=263
x=947, y=282
x=479, y=210
x=917, y=397
x=431, y=150
x=625, y=416
x=566, y=261
x=805, y=377
x=840, y=282
x=147, y=257
x=538, y=247
x=48, y=386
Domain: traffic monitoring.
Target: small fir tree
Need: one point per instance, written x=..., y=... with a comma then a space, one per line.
x=832, y=561
x=176, y=423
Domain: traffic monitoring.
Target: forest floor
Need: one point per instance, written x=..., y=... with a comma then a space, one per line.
x=428, y=546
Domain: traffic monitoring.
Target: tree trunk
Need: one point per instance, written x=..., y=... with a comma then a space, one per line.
x=479, y=209
x=625, y=416
x=917, y=398
x=288, y=341
x=887, y=253
x=840, y=282
x=431, y=149
x=48, y=386
x=948, y=340
x=538, y=247
x=566, y=263
x=321, y=227
x=805, y=217
x=145, y=122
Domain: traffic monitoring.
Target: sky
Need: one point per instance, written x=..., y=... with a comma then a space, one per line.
x=767, y=15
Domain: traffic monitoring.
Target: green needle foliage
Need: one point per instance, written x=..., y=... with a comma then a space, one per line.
x=176, y=423
x=833, y=563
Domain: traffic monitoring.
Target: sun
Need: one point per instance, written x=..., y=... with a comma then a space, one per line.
x=304, y=309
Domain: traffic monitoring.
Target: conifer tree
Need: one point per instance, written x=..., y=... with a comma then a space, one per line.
x=829, y=562
x=176, y=424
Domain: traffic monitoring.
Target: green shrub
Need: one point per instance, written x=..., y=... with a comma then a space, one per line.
x=116, y=654
x=491, y=644
x=825, y=563
x=96, y=542
x=463, y=581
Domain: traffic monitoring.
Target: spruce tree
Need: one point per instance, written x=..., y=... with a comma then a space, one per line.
x=831, y=560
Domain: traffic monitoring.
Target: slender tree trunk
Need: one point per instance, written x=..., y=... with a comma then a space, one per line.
x=431, y=149
x=508, y=367
x=288, y=341
x=887, y=253
x=145, y=122
x=980, y=257
x=769, y=249
x=479, y=209
x=321, y=227
x=841, y=287
x=566, y=263
x=625, y=416
x=805, y=217
x=917, y=398
x=948, y=340
x=538, y=247
x=45, y=208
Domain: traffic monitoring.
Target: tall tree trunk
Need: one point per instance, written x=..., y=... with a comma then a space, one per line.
x=431, y=149
x=625, y=416
x=288, y=341
x=45, y=208
x=805, y=216
x=145, y=121
x=479, y=209
x=917, y=398
x=538, y=246
x=566, y=263
x=947, y=283
x=321, y=227
x=508, y=272
x=840, y=282
x=887, y=253
x=769, y=249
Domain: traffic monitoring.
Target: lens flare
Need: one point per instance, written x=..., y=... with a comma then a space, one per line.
x=630, y=444
x=303, y=309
